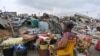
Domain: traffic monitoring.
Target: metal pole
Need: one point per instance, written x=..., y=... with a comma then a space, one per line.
x=11, y=26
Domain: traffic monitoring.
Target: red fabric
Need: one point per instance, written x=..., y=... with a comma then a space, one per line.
x=98, y=44
x=88, y=39
x=40, y=40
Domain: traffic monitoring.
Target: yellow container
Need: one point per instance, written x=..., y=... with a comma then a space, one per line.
x=44, y=47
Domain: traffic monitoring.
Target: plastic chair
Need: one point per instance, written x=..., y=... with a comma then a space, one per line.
x=68, y=50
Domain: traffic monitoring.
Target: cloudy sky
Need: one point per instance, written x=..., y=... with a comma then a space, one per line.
x=56, y=7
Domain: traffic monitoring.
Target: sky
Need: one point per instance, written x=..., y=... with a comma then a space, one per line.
x=56, y=7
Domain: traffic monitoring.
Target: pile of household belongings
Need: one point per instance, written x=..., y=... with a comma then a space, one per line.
x=20, y=40
x=4, y=34
x=55, y=27
x=84, y=43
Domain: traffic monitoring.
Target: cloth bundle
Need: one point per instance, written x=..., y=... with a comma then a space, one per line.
x=12, y=41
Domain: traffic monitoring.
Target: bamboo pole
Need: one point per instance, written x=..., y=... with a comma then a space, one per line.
x=11, y=25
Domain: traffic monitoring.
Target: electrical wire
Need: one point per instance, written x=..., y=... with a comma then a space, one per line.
x=84, y=11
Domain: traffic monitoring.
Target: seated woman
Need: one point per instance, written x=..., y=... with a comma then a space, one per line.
x=67, y=35
x=97, y=33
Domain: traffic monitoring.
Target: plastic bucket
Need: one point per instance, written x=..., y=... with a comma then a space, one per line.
x=44, y=47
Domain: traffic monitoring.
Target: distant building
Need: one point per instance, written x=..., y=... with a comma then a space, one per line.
x=0, y=11
x=23, y=15
x=82, y=18
x=10, y=13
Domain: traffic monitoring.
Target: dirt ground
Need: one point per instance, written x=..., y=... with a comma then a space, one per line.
x=32, y=53
x=94, y=52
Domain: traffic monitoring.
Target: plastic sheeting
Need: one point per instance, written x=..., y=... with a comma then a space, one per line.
x=43, y=25
x=34, y=22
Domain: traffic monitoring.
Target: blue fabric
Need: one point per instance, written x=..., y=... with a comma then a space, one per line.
x=22, y=47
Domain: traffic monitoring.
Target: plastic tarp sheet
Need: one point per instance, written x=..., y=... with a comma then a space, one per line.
x=43, y=25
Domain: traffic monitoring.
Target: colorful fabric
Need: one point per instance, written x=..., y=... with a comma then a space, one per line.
x=84, y=43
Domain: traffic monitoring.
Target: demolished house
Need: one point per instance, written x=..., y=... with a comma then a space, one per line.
x=53, y=22
x=82, y=18
x=66, y=18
